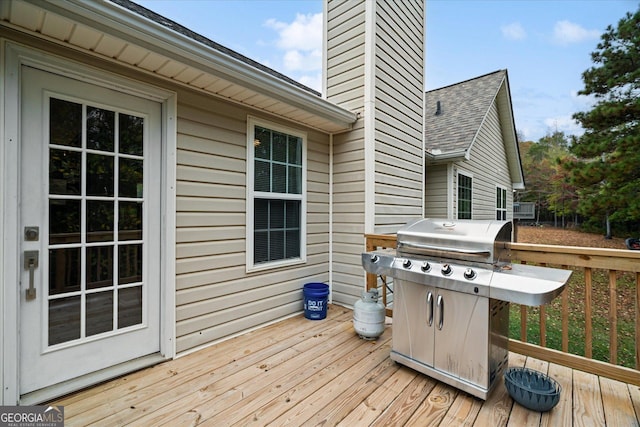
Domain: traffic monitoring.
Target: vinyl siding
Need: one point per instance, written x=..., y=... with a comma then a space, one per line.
x=215, y=297
x=348, y=216
x=345, y=53
x=345, y=87
x=488, y=149
x=395, y=94
x=399, y=89
x=436, y=191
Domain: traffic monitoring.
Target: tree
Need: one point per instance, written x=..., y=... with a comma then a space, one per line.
x=607, y=170
x=548, y=183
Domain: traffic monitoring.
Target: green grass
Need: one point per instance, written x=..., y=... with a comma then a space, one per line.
x=625, y=285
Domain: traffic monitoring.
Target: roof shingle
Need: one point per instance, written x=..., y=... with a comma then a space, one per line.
x=462, y=108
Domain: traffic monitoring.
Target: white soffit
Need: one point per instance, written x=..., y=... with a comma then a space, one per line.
x=105, y=29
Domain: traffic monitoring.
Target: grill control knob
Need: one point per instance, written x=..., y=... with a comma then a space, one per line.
x=446, y=269
x=469, y=274
x=425, y=266
x=406, y=263
x=374, y=258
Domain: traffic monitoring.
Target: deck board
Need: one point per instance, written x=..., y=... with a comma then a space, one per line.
x=302, y=372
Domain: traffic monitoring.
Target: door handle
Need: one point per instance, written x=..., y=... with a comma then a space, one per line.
x=440, y=305
x=430, y=306
x=31, y=263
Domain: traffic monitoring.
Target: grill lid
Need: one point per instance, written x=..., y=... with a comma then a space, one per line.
x=483, y=241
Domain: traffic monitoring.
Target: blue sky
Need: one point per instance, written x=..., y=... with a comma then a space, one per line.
x=544, y=44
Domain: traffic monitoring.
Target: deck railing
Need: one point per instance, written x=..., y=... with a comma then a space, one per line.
x=585, y=262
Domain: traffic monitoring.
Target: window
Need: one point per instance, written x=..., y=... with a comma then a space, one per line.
x=501, y=204
x=464, y=196
x=276, y=196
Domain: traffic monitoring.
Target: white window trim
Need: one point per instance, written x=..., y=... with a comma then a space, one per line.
x=457, y=192
x=506, y=192
x=252, y=122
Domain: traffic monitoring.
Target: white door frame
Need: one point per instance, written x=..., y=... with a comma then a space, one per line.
x=12, y=57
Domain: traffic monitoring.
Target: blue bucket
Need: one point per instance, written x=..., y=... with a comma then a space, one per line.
x=315, y=300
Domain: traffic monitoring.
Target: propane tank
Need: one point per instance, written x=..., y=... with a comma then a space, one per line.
x=369, y=315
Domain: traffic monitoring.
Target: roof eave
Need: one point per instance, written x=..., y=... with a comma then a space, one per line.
x=128, y=25
x=449, y=156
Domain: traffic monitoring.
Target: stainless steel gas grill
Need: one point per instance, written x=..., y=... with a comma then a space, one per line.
x=453, y=282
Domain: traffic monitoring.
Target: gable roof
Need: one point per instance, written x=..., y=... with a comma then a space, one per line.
x=123, y=32
x=454, y=115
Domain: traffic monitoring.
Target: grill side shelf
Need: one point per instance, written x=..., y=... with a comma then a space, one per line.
x=378, y=263
x=528, y=284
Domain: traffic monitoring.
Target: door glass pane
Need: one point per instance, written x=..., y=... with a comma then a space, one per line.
x=99, y=313
x=130, y=221
x=64, y=221
x=130, y=264
x=99, y=221
x=91, y=187
x=64, y=320
x=130, y=134
x=100, y=129
x=64, y=270
x=65, y=172
x=99, y=267
x=99, y=175
x=130, y=178
x=129, y=306
x=65, y=123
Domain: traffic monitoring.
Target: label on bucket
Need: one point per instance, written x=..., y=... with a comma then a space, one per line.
x=315, y=305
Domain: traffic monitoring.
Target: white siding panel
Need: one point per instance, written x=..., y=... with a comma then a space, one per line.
x=256, y=313
x=210, y=176
x=201, y=189
x=209, y=234
x=198, y=249
x=436, y=191
x=397, y=92
x=405, y=167
x=215, y=296
x=399, y=118
x=194, y=265
x=207, y=219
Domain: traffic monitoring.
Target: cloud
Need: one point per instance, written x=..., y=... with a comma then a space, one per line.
x=301, y=40
x=313, y=81
x=296, y=60
x=301, y=43
x=564, y=124
x=304, y=33
x=582, y=102
x=565, y=32
x=513, y=31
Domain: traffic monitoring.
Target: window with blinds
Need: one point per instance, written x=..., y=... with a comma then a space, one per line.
x=501, y=204
x=277, y=196
x=465, y=195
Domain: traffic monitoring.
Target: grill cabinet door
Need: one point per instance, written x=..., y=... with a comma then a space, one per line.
x=462, y=343
x=413, y=312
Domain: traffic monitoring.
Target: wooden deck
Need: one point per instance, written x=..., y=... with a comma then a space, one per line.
x=302, y=372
